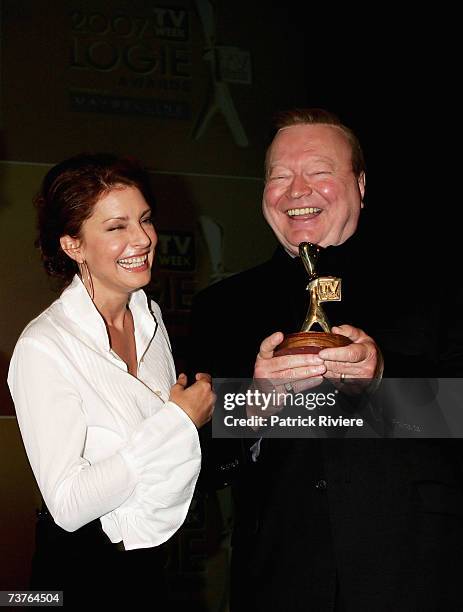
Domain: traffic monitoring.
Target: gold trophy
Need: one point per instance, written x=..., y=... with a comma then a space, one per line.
x=321, y=289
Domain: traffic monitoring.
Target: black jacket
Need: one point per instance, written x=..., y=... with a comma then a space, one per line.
x=378, y=523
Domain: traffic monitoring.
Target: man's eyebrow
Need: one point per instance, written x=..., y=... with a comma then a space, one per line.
x=313, y=158
x=320, y=158
x=276, y=162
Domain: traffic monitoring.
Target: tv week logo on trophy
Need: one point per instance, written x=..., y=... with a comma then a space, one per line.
x=328, y=289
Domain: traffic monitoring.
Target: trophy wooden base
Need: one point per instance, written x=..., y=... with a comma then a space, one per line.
x=309, y=342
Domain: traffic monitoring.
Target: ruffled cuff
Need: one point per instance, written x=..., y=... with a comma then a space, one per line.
x=164, y=453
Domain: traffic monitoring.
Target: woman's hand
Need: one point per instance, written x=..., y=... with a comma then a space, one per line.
x=197, y=400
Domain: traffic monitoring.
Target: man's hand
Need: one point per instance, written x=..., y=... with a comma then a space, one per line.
x=288, y=368
x=360, y=360
x=286, y=374
x=282, y=375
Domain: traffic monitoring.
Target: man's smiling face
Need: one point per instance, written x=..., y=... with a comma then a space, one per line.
x=311, y=193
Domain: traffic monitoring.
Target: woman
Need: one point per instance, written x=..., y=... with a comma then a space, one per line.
x=111, y=436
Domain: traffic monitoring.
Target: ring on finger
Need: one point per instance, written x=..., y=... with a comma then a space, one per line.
x=289, y=387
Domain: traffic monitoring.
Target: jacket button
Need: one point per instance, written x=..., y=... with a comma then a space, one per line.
x=321, y=485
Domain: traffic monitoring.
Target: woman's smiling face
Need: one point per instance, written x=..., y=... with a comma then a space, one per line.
x=117, y=242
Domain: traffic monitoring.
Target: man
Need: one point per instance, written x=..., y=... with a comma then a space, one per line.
x=328, y=524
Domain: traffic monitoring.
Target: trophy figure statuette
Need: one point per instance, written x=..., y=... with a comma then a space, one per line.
x=321, y=289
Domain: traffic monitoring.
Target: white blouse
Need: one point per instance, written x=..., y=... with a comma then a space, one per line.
x=102, y=443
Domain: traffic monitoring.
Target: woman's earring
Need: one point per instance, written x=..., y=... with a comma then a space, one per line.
x=86, y=276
